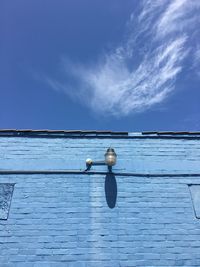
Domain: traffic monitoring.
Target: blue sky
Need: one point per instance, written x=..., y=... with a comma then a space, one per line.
x=106, y=65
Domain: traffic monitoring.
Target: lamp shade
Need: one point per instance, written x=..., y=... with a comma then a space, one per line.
x=110, y=157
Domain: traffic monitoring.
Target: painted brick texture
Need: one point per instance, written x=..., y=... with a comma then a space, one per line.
x=65, y=220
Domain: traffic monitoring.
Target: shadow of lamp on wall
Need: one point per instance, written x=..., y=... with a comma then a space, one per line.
x=110, y=181
x=111, y=190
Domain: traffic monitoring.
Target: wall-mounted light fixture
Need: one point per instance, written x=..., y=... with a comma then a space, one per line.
x=110, y=160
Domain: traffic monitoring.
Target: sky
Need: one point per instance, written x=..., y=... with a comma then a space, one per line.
x=120, y=65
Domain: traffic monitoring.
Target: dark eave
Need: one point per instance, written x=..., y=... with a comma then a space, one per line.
x=96, y=134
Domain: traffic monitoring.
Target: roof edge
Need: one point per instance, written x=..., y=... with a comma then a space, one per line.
x=95, y=133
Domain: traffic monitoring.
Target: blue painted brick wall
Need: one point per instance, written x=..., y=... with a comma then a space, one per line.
x=64, y=220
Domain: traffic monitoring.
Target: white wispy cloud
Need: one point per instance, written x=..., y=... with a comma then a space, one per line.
x=140, y=72
x=196, y=61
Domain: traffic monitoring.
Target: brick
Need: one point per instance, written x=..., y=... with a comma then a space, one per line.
x=64, y=220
